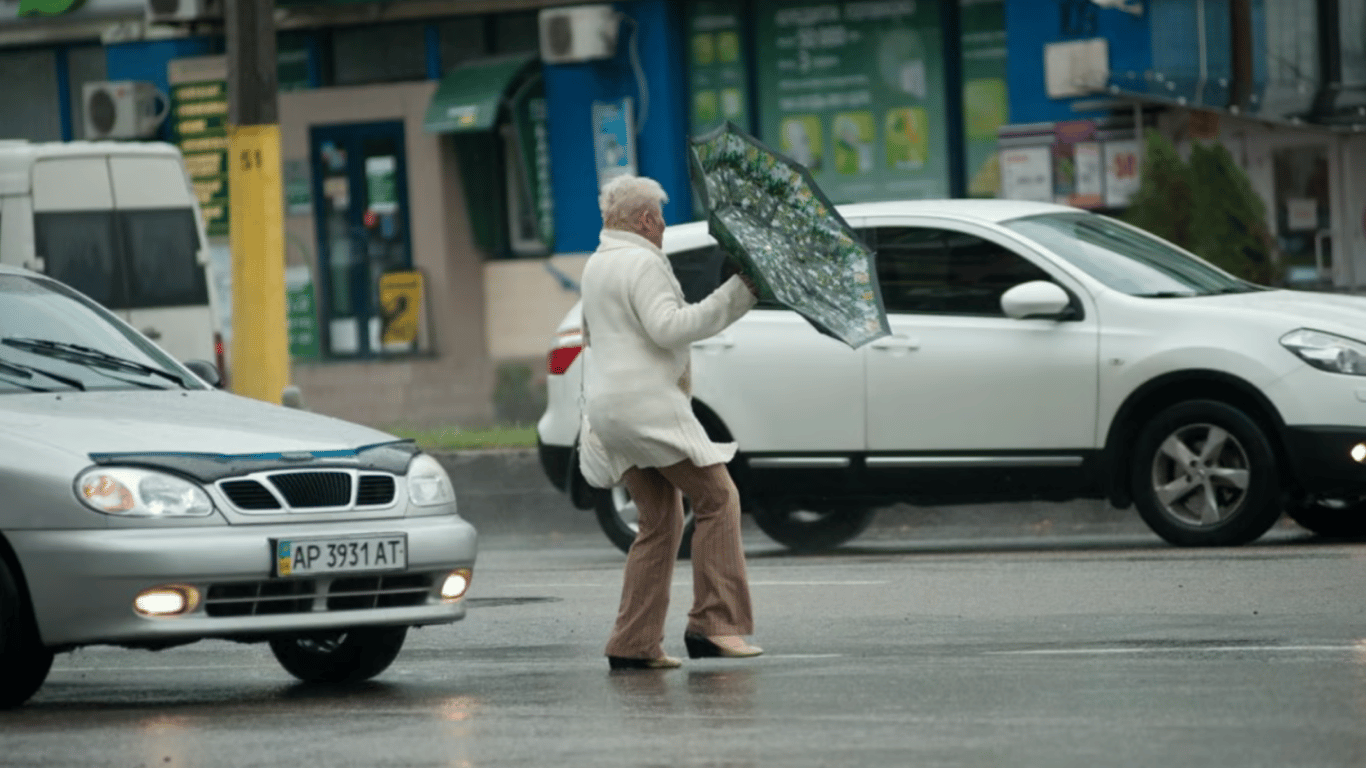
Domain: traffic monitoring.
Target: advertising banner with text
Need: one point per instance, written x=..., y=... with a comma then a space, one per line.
x=855, y=91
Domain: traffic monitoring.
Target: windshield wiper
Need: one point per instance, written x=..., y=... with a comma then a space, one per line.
x=1166, y=295
x=77, y=353
x=27, y=371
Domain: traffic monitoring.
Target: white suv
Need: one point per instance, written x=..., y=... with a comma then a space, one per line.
x=1037, y=352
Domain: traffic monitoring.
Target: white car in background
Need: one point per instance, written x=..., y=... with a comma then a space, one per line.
x=1038, y=352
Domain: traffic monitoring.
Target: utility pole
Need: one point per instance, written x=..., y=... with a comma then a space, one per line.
x=260, y=342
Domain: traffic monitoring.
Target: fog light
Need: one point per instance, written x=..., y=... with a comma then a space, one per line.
x=1359, y=453
x=170, y=600
x=455, y=585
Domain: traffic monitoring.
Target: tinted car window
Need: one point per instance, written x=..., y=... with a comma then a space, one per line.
x=162, y=258
x=939, y=271
x=1125, y=259
x=79, y=249
x=699, y=271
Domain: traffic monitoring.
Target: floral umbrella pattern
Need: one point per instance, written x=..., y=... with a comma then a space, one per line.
x=766, y=211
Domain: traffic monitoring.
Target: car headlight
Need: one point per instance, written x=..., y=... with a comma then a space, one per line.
x=1326, y=351
x=428, y=483
x=141, y=493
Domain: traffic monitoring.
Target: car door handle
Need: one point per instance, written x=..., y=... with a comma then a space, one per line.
x=723, y=341
x=896, y=343
x=151, y=333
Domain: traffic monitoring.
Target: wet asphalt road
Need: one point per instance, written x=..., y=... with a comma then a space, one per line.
x=1097, y=646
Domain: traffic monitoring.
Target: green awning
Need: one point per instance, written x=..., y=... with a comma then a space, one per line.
x=469, y=95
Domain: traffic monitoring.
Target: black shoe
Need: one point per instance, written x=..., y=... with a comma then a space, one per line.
x=731, y=647
x=663, y=662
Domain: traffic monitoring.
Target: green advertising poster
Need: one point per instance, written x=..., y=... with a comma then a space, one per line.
x=716, y=66
x=855, y=92
x=302, y=314
x=531, y=116
x=985, y=104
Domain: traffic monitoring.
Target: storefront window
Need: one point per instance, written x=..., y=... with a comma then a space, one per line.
x=379, y=54
x=986, y=106
x=31, y=108
x=516, y=33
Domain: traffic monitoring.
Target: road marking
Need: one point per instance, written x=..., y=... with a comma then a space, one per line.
x=679, y=583
x=816, y=582
x=1174, y=649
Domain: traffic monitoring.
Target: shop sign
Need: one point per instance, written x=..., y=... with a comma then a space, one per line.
x=381, y=185
x=1027, y=174
x=614, y=145
x=302, y=315
x=199, y=112
x=400, y=298
x=854, y=91
x=534, y=134
x=1077, y=178
x=1121, y=172
x=985, y=103
x=717, y=76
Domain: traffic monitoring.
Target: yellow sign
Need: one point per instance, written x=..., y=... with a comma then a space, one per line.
x=400, y=298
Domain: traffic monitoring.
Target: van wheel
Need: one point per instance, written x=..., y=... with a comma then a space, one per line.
x=24, y=662
x=1204, y=474
x=339, y=656
x=805, y=530
x=619, y=518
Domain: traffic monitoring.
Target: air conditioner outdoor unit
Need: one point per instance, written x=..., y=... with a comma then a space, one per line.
x=123, y=109
x=578, y=33
x=180, y=11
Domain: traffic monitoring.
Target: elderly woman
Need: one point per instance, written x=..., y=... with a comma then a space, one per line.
x=639, y=429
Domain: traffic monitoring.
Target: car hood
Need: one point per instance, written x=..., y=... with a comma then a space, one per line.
x=212, y=422
x=1334, y=312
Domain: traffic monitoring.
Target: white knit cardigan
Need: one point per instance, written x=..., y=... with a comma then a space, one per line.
x=638, y=331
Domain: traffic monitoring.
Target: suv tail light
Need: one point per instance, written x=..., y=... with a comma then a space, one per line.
x=562, y=357
x=567, y=348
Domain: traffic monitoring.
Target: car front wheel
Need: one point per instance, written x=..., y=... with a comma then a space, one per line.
x=339, y=656
x=1332, y=518
x=24, y=662
x=806, y=530
x=619, y=518
x=1204, y=474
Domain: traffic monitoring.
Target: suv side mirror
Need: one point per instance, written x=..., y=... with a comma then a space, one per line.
x=1035, y=299
x=206, y=371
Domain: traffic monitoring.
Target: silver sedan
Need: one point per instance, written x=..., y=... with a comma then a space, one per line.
x=144, y=507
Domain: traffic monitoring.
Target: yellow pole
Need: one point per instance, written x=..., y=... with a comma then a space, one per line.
x=260, y=341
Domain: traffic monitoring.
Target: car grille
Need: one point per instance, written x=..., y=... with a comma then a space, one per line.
x=309, y=490
x=349, y=593
x=304, y=490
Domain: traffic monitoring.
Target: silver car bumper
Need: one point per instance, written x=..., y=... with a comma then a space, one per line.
x=83, y=582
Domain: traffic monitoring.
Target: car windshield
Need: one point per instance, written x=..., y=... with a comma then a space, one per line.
x=54, y=339
x=1126, y=259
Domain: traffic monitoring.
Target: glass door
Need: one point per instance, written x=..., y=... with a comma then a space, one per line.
x=361, y=211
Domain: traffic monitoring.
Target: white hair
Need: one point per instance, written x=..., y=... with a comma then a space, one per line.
x=624, y=197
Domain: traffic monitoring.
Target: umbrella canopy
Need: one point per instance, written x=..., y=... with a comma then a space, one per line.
x=765, y=209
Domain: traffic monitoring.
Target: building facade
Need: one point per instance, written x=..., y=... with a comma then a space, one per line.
x=442, y=158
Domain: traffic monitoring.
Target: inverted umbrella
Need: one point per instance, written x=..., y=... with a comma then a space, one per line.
x=766, y=210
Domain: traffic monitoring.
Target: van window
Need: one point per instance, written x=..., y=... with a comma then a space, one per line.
x=133, y=259
x=79, y=249
x=161, y=251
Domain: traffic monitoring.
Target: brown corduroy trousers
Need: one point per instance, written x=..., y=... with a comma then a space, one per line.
x=721, y=602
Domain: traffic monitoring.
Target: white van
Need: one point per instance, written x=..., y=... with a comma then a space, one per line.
x=120, y=223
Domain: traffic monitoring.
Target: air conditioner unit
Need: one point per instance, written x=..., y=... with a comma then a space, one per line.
x=180, y=11
x=123, y=109
x=578, y=33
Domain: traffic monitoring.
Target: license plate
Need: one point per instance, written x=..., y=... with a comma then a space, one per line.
x=348, y=554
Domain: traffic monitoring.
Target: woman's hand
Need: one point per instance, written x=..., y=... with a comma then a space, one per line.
x=754, y=289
